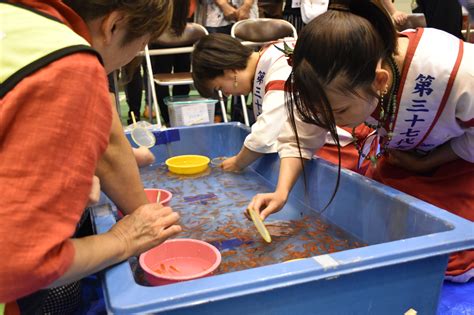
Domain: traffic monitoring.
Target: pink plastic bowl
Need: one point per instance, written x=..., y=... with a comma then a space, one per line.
x=151, y=194
x=179, y=260
x=165, y=197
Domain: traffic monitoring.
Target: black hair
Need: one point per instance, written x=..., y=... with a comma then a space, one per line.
x=345, y=42
x=180, y=16
x=143, y=16
x=212, y=55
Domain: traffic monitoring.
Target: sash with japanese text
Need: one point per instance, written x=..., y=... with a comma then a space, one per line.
x=262, y=72
x=425, y=88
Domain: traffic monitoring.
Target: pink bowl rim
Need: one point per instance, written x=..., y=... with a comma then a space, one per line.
x=196, y=276
x=170, y=194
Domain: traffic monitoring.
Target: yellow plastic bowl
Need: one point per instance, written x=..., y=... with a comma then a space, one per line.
x=187, y=164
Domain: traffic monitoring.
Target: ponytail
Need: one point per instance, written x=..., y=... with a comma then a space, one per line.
x=374, y=12
x=380, y=20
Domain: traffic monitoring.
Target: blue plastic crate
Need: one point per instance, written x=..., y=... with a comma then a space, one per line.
x=402, y=268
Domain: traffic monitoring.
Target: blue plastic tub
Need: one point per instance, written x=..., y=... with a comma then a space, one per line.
x=401, y=269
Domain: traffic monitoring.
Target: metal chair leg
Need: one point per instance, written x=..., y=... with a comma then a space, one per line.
x=152, y=88
x=221, y=101
x=244, y=110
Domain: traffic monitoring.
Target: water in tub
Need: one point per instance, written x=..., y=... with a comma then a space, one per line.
x=211, y=205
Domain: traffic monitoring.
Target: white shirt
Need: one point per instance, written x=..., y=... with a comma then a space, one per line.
x=312, y=8
x=454, y=124
x=269, y=99
x=269, y=102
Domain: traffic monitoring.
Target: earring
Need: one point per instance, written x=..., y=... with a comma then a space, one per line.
x=235, y=81
x=382, y=110
x=381, y=95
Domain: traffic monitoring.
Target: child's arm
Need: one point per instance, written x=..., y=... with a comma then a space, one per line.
x=266, y=204
x=241, y=160
x=310, y=138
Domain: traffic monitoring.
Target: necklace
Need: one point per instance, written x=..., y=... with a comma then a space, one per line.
x=386, y=117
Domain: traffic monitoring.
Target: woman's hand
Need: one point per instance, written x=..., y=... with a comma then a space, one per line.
x=231, y=165
x=147, y=227
x=94, y=195
x=266, y=204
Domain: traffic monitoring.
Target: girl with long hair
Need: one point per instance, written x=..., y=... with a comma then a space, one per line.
x=415, y=89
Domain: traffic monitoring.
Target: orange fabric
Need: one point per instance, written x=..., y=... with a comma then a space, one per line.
x=12, y=309
x=349, y=153
x=275, y=85
x=54, y=126
x=192, y=8
x=450, y=187
x=349, y=156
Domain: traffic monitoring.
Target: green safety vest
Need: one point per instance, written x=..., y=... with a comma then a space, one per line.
x=30, y=40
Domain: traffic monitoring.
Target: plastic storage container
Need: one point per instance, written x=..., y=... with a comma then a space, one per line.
x=402, y=267
x=190, y=110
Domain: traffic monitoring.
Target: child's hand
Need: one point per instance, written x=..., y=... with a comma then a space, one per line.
x=409, y=161
x=94, y=195
x=231, y=165
x=415, y=162
x=266, y=204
